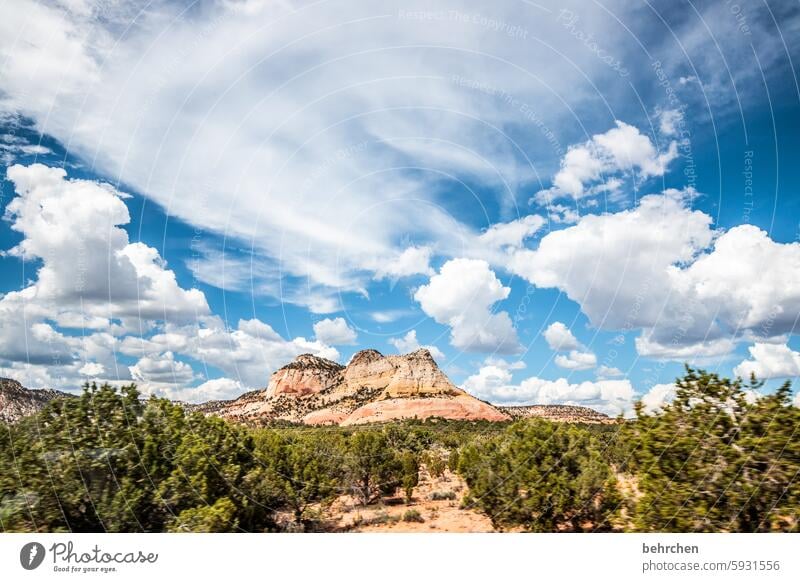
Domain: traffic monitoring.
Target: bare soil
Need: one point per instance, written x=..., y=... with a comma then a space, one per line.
x=440, y=515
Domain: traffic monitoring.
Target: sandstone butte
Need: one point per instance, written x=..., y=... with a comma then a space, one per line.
x=316, y=391
x=372, y=388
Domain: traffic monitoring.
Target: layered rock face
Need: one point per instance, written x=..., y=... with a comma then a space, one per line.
x=371, y=388
x=16, y=401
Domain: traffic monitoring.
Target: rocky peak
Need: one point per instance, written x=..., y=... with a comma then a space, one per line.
x=420, y=354
x=364, y=357
x=306, y=374
x=310, y=361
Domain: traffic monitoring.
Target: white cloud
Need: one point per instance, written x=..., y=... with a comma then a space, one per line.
x=662, y=268
x=560, y=338
x=608, y=372
x=389, y=315
x=409, y=343
x=334, y=332
x=658, y=396
x=159, y=371
x=411, y=261
x=504, y=364
x=92, y=369
x=591, y=167
x=576, y=360
x=669, y=120
x=88, y=266
x=512, y=234
x=251, y=352
x=770, y=361
x=121, y=295
x=681, y=349
x=461, y=296
x=216, y=389
x=323, y=178
x=495, y=384
x=327, y=161
x=616, y=266
x=561, y=214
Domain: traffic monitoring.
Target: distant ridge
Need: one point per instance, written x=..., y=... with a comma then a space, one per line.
x=316, y=391
x=559, y=413
x=16, y=401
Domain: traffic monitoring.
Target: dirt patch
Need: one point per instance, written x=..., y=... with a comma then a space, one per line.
x=436, y=502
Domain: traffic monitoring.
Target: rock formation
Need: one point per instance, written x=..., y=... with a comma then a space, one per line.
x=371, y=388
x=307, y=374
x=316, y=391
x=17, y=401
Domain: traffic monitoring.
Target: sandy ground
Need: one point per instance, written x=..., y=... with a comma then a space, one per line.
x=442, y=515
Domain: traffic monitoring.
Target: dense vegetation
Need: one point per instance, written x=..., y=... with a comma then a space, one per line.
x=713, y=460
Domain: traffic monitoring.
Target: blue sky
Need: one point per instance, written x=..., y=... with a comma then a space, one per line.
x=565, y=203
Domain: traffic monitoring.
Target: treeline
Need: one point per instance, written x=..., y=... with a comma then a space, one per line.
x=713, y=460
x=108, y=461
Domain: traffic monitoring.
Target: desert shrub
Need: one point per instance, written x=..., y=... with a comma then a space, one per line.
x=452, y=461
x=372, y=468
x=442, y=495
x=108, y=461
x=713, y=460
x=412, y=515
x=435, y=463
x=410, y=478
x=542, y=476
x=220, y=517
x=302, y=469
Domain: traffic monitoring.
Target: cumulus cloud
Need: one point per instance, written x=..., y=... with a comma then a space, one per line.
x=593, y=166
x=409, y=343
x=495, y=384
x=247, y=354
x=215, y=389
x=88, y=266
x=662, y=268
x=159, y=371
x=121, y=295
x=770, y=361
x=334, y=332
x=461, y=296
x=560, y=338
x=576, y=360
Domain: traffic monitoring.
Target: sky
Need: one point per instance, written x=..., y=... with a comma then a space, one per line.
x=564, y=202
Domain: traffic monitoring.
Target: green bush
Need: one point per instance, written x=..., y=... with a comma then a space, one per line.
x=714, y=461
x=412, y=515
x=542, y=476
x=372, y=467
